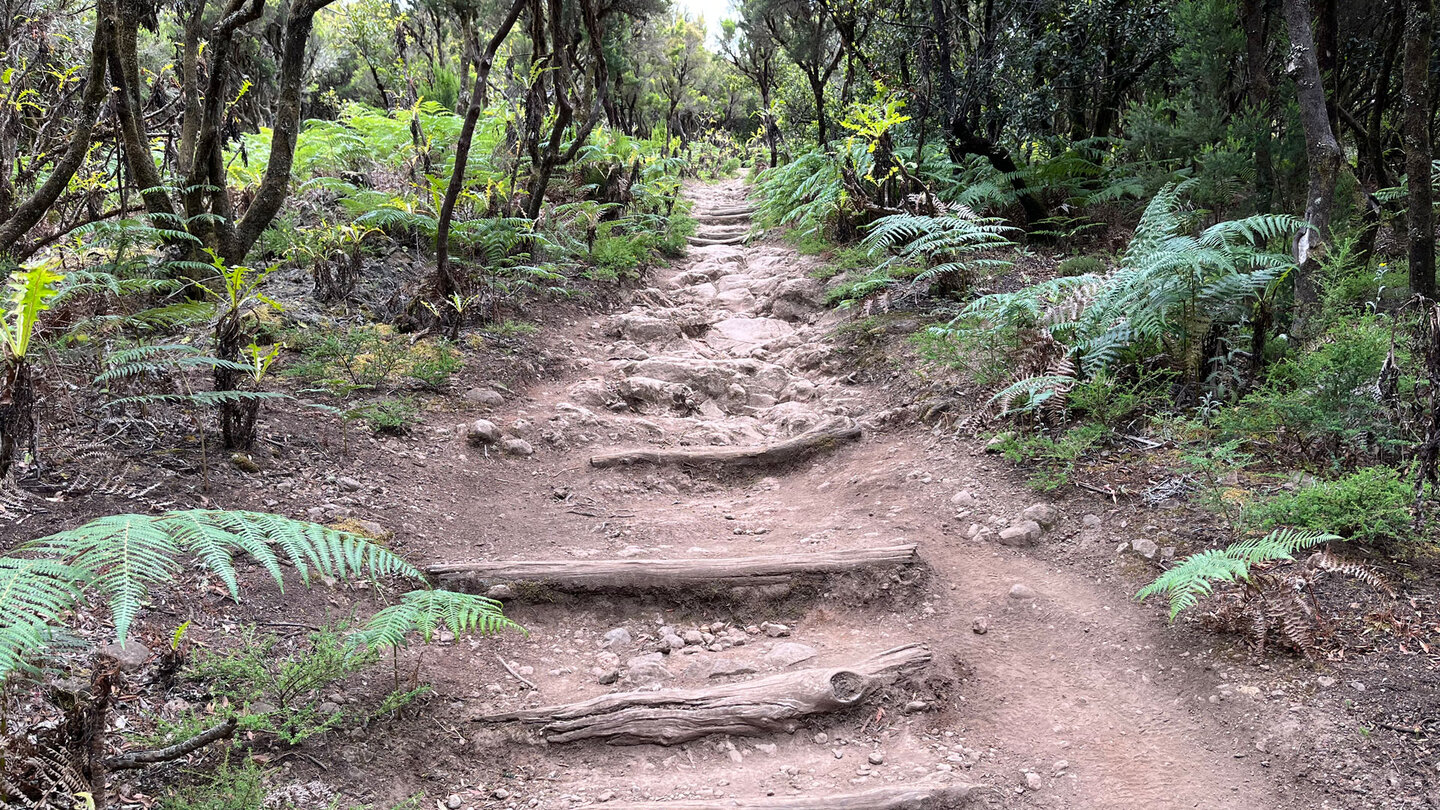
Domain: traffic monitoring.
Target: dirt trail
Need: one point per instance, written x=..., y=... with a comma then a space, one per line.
x=1073, y=685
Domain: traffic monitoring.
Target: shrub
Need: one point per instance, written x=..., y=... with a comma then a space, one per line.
x=392, y=416
x=1052, y=460
x=432, y=364
x=233, y=786
x=1370, y=505
x=1081, y=266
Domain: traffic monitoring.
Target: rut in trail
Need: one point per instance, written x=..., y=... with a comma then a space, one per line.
x=695, y=406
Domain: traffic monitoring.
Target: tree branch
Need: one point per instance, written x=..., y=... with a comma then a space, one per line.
x=139, y=759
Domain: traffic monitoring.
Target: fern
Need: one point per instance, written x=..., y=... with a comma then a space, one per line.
x=1196, y=575
x=945, y=245
x=121, y=558
x=425, y=611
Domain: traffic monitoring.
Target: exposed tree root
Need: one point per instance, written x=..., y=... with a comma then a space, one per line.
x=825, y=437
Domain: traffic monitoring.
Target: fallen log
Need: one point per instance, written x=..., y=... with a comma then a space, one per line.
x=697, y=241
x=734, y=211
x=826, y=436
x=727, y=219
x=672, y=716
x=895, y=797
x=598, y=575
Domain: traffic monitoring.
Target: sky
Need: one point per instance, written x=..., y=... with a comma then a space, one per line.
x=712, y=10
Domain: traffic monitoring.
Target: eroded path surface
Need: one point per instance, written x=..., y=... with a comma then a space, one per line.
x=1068, y=699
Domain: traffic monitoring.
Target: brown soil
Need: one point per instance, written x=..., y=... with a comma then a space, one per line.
x=1095, y=695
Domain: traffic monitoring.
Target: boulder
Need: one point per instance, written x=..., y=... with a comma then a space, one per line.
x=484, y=396
x=1024, y=533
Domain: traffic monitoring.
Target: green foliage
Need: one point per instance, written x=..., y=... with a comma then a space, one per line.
x=28, y=292
x=1328, y=398
x=805, y=193
x=273, y=690
x=954, y=249
x=1052, y=458
x=393, y=415
x=1370, y=505
x=1196, y=576
x=237, y=784
x=1081, y=266
x=433, y=364
x=121, y=558
x=426, y=611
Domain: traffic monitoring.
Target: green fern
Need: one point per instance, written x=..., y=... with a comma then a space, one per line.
x=121, y=558
x=425, y=611
x=1195, y=576
x=948, y=245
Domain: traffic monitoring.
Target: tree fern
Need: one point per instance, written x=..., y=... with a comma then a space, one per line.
x=425, y=611
x=121, y=558
x=1195, y=576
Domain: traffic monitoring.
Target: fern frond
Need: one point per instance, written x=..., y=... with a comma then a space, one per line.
x=1195, y=576
x=424, y=611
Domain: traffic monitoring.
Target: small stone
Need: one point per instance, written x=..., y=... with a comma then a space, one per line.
x=981, y=625
x=674, y=642
x=766, y=748
x=1090, y=521
x=484, y=396
x=453, y=801
x=517, y=447
x=619, y=637
x=876, y=758
x=131, y=655
x=608, y=795
x=694, y=637
x=1024, y=533
x=482, y=431
x=1033, y=781
x=775, y=629
x=1061, y=766
x=964, y=500
x=349, y=484
x=735, y=756
x=838, y=753
x=500, y=793
x=1018, y=591
x=500, y=592
x=996, y=442
x=789, y=653
x=821, y=738
x=327, y=707
x=1145, y=547
x=609, y=676
x=1042, y=513
x=1325, y=681
x=916, y=706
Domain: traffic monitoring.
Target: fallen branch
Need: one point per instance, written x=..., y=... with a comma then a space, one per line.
x=897, y=797
x=672, y=716
x=517, y=676
x=678, y=573
x=140, y=759
x=825, y=437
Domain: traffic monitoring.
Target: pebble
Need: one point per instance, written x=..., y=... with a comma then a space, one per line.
x=619, y=637
x=1033, y=781
x=517, y=447
x=876, y=758
x=981, y=625
x=789, y=653
x=1042, y=513
x=1024, y=533
x=482, y=431
x=821, y=738
x=775, y=629
x=131, y=655
x=349, y=484
x=453, y=801
x=1018, y=591
x=1145, y=547
x=964, y=500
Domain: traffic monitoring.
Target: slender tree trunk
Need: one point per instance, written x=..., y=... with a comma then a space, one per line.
x=1419, y=27
x=1257, y=87
x=445, y=283
x=1322, y=150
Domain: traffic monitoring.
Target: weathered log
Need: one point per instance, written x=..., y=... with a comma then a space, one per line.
x=672, y=716
x=827, y=436
x=594, y=575
x=699, y=241
x=733, y=211
x=894, y=797
x=722, y=219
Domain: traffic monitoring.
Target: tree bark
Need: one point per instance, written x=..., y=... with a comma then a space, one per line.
x=445, y=283
x=30, y=212
x=1322, y=150
x=1419, y=27
x=1257, y=91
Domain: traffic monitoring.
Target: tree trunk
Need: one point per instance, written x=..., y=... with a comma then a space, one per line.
x=1322, y=150
x=445, y=283
x=1257, y=91
x=1419, y=22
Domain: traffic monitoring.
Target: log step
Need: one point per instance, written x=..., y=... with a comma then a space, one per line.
x=742, y=211
x=723, y=219
x=895, y=797
x=697, y=241
x=673, y=716
x=595, y=575
x=824, y=437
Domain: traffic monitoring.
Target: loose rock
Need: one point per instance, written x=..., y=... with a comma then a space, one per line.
x=1145, y=547
x=1024, y=533
x=1042, y=513
x=482, y=431
x=789, y=653
x=1018, y=591
x=517, y=447
x=130, y=656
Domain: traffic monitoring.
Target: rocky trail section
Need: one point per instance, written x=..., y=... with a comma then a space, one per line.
x=1025, y=684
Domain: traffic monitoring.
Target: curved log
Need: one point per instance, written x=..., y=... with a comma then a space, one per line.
x=824, y=437
x=672, y=716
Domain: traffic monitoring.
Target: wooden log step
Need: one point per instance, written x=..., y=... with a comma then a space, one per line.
x=824, y=437
x=672, y=716
x=698, y=241
x=723, y=219
x=598, y=575
x=734, y=211
x=894, y=797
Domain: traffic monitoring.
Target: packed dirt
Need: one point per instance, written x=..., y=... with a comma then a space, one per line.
x=1046, y=686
